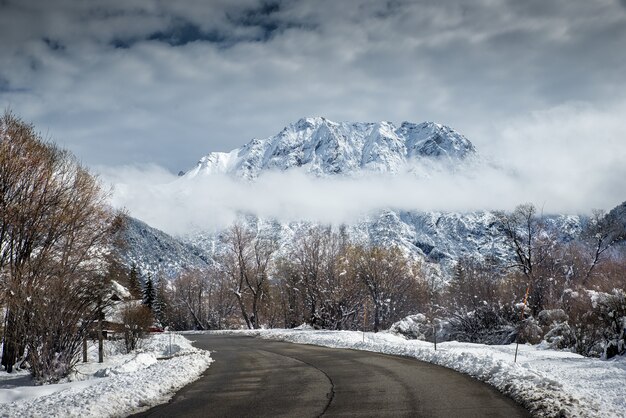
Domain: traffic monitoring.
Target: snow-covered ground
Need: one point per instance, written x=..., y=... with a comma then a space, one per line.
x=123, y=384
x=549, y=383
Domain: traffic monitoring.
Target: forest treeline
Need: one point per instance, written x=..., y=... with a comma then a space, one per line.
x=569, y=294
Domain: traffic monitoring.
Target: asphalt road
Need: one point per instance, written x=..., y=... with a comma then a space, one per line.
x=259, y=378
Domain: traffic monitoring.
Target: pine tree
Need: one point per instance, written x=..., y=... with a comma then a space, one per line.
x=160, y=303
x=149, y=294
x=134, y=285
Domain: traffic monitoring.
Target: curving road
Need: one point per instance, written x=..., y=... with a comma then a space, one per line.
x=258, y=378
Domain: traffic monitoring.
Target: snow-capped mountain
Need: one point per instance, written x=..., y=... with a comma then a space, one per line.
x=322, y=147
x=617, y=217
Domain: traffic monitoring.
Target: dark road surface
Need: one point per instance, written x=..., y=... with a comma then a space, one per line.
x=258, y=378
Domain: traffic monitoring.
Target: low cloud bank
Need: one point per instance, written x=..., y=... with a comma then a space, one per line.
x=180, y=205
x=568, y=159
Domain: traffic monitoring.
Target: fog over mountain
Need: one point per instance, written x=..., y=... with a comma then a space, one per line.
x=318, y=170
x=422, y=186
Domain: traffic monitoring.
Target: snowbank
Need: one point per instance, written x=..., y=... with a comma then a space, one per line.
x=123, y=384
x=548, y=383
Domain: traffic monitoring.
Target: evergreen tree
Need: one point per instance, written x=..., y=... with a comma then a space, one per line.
x=149, y=294
x=160, y=304
x=134, y=285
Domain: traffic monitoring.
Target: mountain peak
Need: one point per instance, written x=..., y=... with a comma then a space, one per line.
x=308, y=122
x=323, y=147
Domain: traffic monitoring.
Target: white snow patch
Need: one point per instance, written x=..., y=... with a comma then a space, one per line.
x=119, y=289
x=123, y=384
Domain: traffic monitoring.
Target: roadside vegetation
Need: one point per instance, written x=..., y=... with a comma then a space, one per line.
x=57, y=254
x=61, y=256
x=568, y=295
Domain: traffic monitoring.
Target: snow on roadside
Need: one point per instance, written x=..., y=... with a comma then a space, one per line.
x=124, y=384
x=548, y=383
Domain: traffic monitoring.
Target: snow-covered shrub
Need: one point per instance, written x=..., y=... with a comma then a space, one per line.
x=477, y=307
x=486, y=324
x=413, y=327
x=556, y=331
x=548, y=317
x=586, y=328
x=559, y=336
x=611, y=311
x=598, y=320
x=529, y=331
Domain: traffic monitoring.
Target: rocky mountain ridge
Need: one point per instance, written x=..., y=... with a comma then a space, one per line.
x=322, y=148
x=156, y=253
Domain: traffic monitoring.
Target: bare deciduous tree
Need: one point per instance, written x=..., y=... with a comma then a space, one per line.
x=531, y=244
x=54, y=228
x=200, y=299
x=603, y=232
x=246, y=263
x=318, y=285
x=388, y=278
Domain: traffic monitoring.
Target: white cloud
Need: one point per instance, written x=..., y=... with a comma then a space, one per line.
x=487, y=69
x=454, y=63
x=571, y=157
x=568, y=159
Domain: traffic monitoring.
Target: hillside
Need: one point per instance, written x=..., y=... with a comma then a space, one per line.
x=153, y=251
x=325, y=149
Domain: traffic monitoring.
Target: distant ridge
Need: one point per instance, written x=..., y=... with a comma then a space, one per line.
x=323, y=147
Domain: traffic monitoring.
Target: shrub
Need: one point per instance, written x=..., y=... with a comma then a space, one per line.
x=137, y=320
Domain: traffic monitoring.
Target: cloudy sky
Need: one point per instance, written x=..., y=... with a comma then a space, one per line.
x=537, y=83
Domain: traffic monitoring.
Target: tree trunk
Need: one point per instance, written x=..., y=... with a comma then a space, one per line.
x=376, y=317
x=243, y=310
x=100, y=342
x=8, y=355
x=255, y=316
x=85, y=348
x=8, y=348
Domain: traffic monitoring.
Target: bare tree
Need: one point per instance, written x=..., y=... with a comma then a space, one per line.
x=604, y=231
x=388, y=279
x=289, y=293
x=246, y=263
x=521, y=227
x=532, y=247
x=54, y=225
x=309, y=258
x=190, y=292
x=221, y=303
x=137, y=320
x=317, y=284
